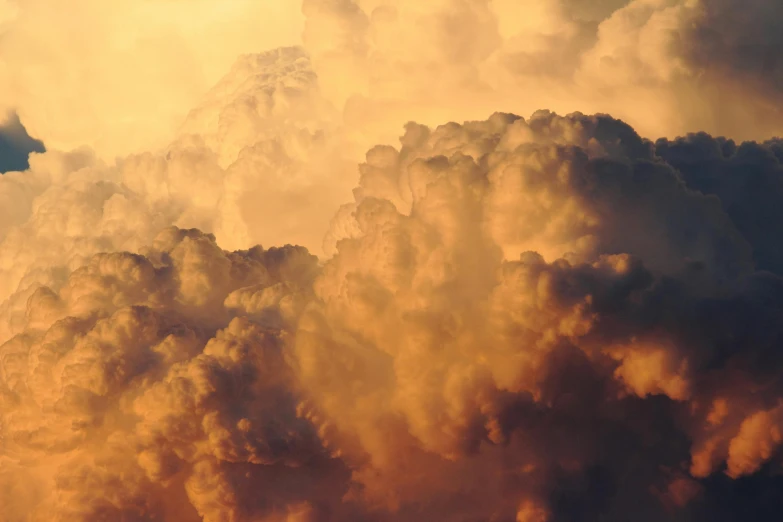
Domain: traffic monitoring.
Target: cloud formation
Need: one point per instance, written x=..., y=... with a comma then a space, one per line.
x=524, y=319
x=668, y=67
x=259, y=161
x=539, y=292
x=534, y=319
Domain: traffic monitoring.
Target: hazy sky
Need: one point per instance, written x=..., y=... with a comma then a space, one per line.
x=391, y=261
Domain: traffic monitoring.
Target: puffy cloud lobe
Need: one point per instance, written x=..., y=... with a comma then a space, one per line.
x=222, y=175
x=133, y=378
x=666, y=66
x=442, y=338
x=489, y=296
x=266, y=96
x=746, y=178
x=542, y=193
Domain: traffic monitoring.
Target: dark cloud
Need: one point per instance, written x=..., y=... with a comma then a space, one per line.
x=733, y=49
x=748, y=180
x=739, y=38
x=16, y=145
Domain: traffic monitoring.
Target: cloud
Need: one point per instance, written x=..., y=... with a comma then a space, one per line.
x=124, y=384
x=259, y=161
x=464, y=341
x=665, y=66
x=747, y=179
x=657, y=64
x=491, y=338
x=737, y=46
x=16, y=145
x=536, y=319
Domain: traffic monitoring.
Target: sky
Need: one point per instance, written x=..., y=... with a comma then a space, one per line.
x=391, y=261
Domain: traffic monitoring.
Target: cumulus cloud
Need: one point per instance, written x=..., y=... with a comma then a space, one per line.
x=536, y=319
x=133, y=379
x=258, y=161
x=747, y=179
x=488, y=287
x=523, y=319
x=666, y=66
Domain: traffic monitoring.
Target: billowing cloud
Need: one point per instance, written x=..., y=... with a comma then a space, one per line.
x=504, y=280
x=259, y=161
x=666, y=66
x=523, y=319
x=117, y=390
x=534, y=319
x=747, y=179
